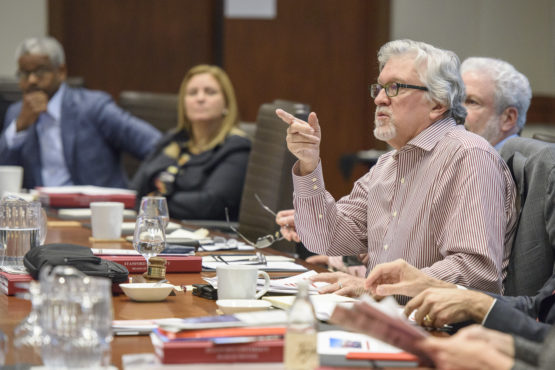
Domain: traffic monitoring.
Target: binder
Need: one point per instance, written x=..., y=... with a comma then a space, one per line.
x=137, y=264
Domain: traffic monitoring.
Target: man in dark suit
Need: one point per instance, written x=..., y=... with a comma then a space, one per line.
x=532, y=163
x=438, y=302
x=66, y=136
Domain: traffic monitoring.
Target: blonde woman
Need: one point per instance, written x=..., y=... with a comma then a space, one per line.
x=200, y=166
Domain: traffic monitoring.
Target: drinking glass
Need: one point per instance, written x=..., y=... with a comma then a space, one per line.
x=22, y=227
x=73, y=331
x=149, y=238
x=155, y=207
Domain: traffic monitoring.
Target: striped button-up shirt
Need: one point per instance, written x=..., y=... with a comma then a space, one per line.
x=444, y=202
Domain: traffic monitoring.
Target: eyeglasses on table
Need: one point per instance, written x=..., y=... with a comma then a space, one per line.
x=263, y=241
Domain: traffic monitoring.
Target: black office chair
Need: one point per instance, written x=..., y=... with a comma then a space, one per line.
x=158, y=109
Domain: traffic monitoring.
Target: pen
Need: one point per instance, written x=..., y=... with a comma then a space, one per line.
x=218, y=258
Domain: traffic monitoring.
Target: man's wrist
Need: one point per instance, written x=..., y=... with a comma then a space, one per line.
x=482, y=304
x=307, y=168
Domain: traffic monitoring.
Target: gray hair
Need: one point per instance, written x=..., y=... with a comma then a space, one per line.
x=42, y=46
x=439, y=73
x=512, y=88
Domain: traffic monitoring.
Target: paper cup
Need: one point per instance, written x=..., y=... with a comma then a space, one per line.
x=11, y=178
x=106, y=219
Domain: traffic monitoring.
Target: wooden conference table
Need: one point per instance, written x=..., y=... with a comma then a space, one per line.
x=184, y=304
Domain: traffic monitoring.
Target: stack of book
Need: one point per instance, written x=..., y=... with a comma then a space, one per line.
x=241, y=337
x=242, y=344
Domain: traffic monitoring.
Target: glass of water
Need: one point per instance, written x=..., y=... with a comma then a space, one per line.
x=22, y=227
x=149, y=238
x=155, y=207
x=75, y=318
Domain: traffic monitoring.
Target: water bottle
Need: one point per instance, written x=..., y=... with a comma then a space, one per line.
x=301, y=338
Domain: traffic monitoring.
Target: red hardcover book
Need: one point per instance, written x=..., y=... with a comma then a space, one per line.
x=8, y=282
x=190, y=352
x=137, y=264
x=80, y=200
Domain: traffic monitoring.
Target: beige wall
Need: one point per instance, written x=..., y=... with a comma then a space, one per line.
x=521, y=32
x=19, y=19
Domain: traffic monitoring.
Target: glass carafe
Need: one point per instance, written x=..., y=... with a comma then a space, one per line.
x=22, y=227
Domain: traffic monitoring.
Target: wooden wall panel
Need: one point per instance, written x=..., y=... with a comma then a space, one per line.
x=542, y=110
x=320, y=52
x=141, y=45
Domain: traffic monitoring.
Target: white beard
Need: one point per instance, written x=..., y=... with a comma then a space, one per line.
x=384, y=130
x=491, y=131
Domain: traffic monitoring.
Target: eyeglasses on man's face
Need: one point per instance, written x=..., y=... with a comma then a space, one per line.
x=392, y=89
x=263, y=241
x=39, y=72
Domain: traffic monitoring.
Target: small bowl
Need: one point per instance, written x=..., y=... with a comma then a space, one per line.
x=146, y=292
x=231, y=306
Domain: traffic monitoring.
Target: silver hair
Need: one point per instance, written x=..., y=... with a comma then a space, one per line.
x=48, y=46
x=512, y=88
x=438, y=70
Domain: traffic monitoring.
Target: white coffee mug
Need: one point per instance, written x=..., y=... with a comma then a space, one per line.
x=11, y=178
x=106, y=219
x=239, y=282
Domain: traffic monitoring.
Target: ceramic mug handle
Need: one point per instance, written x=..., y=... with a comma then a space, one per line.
x=266, y=284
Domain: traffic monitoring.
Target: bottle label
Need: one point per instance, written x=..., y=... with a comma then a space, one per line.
x=301, y=351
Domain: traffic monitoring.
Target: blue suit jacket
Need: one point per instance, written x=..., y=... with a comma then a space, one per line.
x=95, y=131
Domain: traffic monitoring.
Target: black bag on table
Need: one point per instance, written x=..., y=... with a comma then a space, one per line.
x=78, y=256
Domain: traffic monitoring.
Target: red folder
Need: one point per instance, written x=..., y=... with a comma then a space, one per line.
x=78, y=200
x=188, y=352
x=8, y=282
x=137, y=264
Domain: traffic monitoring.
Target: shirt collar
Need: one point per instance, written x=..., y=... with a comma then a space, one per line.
x=428, y=138
x=500, y=144
x=54, y=107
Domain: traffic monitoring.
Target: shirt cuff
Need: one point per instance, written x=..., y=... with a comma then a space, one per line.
x=309, y=185
x=13, y=138
x=487, y=313
x=461, y=287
